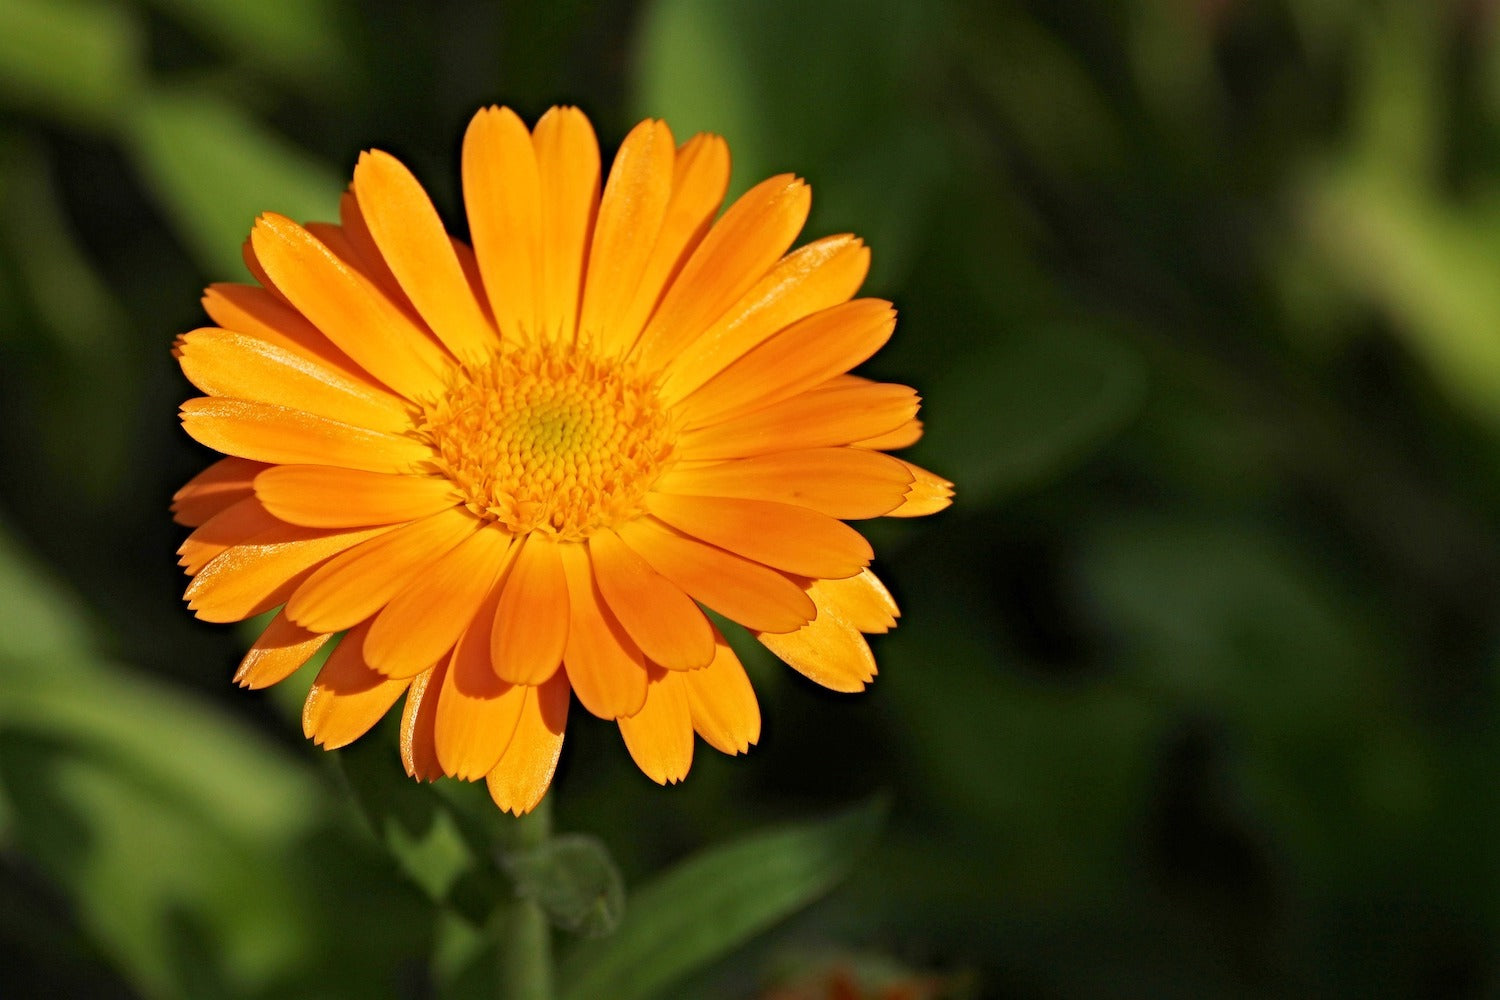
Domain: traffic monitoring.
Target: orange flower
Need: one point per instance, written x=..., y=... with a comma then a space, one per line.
x=517, y=471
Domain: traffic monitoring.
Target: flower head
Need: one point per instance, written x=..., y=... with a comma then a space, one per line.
x=519, y=471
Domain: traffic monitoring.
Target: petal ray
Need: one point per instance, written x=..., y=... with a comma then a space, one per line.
x=502, y=193
x=818, y=276
x=358, y=583
x=749, y=593
x=740, y=248
x=846, y=483
x=415, y=246
x=800, y=357
x=422, y=622
x=630, y=215
x=221, y=485
x=792, y=539
x=264, y=432
x=567, y=159
x=349, y=309
x=520, y=779
x=722, y=702
x=659, y=618
x=227, y=364
x=607, y=671
x=477, y=712
x=660, y=736
x=325, y=496
x=348, y=697
x=531, y=622
x=281, y=651
x=835, y=413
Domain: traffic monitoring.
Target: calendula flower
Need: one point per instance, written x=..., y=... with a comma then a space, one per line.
x=519, y=471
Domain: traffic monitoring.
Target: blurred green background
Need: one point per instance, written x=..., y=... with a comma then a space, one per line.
x=1195, y=693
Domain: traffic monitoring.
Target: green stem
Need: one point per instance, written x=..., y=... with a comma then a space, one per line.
x=521, y=928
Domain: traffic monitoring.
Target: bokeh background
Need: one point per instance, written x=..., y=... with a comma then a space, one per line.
x=1195, y=693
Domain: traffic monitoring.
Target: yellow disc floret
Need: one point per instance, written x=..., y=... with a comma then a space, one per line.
x=546, y=439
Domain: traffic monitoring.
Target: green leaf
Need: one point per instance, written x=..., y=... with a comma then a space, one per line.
x=1027, y=407
x=714, y=902
x=440, y=846
x=214, y=170
x=297, y=38
x=575, y=882
x=74, y=58
x=695, y=76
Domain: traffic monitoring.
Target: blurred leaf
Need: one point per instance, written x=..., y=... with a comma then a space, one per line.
x=72, y=325
x=39, y=625
x=75, y=58
x=1226, y=620
x=1051, y=106
x=1431, y=266
x=715, y=901
x=746, y=71
x=575, y=882
x=695, y=74
x=215, y=170
x=1026, y=407
x=159, y=817
x=442, y=848
x=294, y=37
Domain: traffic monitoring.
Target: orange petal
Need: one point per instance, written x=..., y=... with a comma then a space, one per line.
x=416, y=247
x=367, y=261
x=835, y=413
x=746, y=592
x=348, y=697
x=863, y=601
x=419, y=724
x=470, y=265
x=793, y=539
x=531, y=623
x=567, y=159
x=234, y=525
x=258, y=313
x=502, y=192
x=324, y=496
x=221, y=485
x=830, y=649
x=700, y=177
x=740, y=248
x=929, y=493
x=234, y=365
x=904, y=436
x=722, y=702
x=660, y=735
x=349, y=309
x=525, y=770
x=605, y=668
x=360, y=582
x=279, y=652
x=661, y=619
x=421, y=623
x=807, y=281
x=630, y=215
x=261, y=572
x=800, y=357
x=846, y=483
x=264, y=432
x=477, y=712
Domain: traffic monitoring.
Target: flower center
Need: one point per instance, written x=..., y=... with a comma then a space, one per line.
x=544, y=439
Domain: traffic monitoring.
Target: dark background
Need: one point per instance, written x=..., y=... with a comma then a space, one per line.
x=1195, y=690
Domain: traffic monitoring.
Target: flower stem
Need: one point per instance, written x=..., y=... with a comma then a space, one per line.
x=521, y=928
